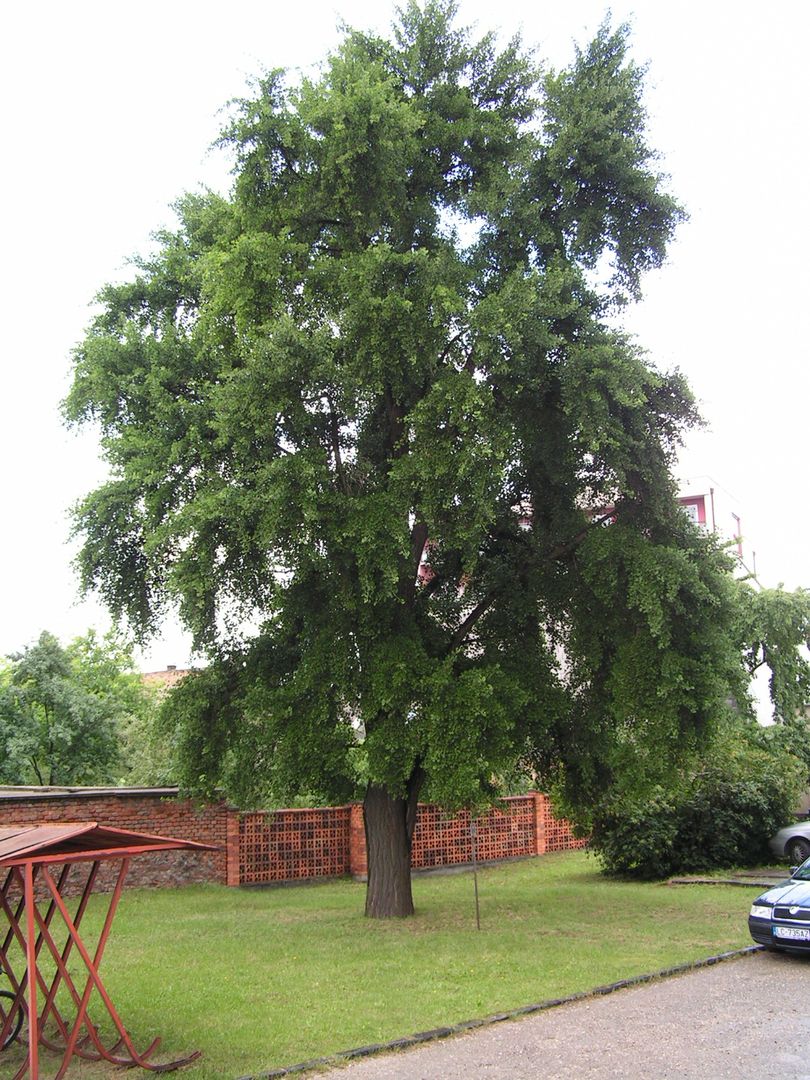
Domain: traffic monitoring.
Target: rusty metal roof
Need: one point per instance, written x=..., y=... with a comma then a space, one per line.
x=82, y=841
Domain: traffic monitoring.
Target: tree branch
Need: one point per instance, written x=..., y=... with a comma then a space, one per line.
x=396, y=425
x=335, y=433
x=450, y=344
x=565, y=546
x=418, y=539
x=486, y=603
x=432, y=586
x=288, y=161
x=480, y=609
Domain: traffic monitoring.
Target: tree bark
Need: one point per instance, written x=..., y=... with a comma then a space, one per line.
x=389, y=824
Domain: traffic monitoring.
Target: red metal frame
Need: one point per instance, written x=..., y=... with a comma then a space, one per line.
x=30, y=856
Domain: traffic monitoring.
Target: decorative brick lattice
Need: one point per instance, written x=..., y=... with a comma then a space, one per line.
x=443, y=840
x=287, y=845
x=557, y=831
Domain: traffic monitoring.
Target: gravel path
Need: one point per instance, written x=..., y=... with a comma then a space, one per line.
x=743, y=1019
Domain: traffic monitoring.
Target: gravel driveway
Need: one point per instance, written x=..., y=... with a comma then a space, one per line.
x=743, y=1019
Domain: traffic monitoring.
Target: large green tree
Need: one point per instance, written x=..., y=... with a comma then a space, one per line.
x=393, y=346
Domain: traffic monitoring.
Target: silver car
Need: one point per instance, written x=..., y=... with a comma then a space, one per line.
x=792, y=842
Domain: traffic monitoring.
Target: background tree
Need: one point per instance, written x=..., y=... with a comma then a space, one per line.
x=718, y=807
x=775, y=633
x=389, y=348
x=62, y=710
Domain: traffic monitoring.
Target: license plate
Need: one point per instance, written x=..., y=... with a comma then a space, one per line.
x=792, y=933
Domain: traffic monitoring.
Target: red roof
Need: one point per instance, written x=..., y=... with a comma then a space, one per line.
x=81, y=841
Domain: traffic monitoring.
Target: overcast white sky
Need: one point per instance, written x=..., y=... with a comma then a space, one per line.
x=107, y=110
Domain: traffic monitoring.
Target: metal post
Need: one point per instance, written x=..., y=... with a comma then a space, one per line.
x=31, y=969
x=474, y=838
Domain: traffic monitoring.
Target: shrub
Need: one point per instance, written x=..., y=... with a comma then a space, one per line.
x=636, y=839
x=720, y=815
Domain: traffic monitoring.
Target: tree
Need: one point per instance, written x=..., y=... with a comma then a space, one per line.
x=718, y=807
x=148, y=750
x=61, y=709
x=373, y=404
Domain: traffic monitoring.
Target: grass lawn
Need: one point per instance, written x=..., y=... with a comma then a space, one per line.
x=261, y=978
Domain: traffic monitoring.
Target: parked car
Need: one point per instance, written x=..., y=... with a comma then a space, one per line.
x=780, y=917
x=792, y=842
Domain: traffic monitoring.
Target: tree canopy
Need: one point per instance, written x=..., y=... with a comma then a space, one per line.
x=372, y=427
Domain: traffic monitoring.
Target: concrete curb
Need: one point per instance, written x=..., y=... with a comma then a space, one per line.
x=754, y=883
x=761, y=880
x=408, y=1041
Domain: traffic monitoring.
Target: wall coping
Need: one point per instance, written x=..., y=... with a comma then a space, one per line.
x=38, y=794
x=35, y=792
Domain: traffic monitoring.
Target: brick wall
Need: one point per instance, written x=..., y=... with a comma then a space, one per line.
x=281, y=845
x=288, y=845
x=556, y=833
x=141, y=810
x=443, y=840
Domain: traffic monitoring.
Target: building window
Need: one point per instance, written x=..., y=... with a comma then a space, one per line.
x=695, y=507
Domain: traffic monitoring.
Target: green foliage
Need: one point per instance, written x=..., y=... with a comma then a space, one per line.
x=713, y=803
x=720, y=812
x=597, y=164
x=232, y=731
x=390, y=343
x=148, y=750
x=62, y=709
x=792, y=736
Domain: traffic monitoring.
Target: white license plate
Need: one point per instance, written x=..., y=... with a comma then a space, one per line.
x=792, y=933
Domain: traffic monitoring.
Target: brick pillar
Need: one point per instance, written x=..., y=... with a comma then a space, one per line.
x=233, y=850
x=358, y=858
x=540, y=819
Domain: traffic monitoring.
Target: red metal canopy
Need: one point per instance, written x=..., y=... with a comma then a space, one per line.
x=28, y=852
x=81, y=841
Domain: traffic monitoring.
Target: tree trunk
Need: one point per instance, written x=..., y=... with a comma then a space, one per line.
x=389, y=824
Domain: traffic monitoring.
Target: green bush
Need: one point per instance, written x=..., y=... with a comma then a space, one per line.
x=720, y=815
x=636, y=839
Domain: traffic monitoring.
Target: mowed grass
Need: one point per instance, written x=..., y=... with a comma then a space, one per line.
x=262, y=978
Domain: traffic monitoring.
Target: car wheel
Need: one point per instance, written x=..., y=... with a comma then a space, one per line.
x=798, y=849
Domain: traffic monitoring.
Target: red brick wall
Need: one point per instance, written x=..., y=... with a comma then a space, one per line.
x=557, y=835
x=141, y=812
x=287, y=845
x=284, y=845
x=522, y=825
x=443, y=840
